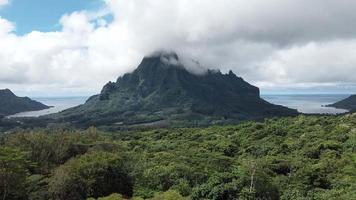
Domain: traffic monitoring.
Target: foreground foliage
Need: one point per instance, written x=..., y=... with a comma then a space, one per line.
x=304, y=157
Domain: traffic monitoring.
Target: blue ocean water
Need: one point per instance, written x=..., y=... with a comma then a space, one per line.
x=305, y=103
x=308, y=103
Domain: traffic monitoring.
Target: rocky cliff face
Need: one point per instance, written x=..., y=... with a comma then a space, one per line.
x=11, y=104
x=161, y=90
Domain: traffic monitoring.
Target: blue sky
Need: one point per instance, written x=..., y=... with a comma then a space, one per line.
x=43, y=15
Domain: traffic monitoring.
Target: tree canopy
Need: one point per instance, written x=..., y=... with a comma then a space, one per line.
x=304, y=157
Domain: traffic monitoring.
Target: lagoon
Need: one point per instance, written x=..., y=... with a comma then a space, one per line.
x=304, y=103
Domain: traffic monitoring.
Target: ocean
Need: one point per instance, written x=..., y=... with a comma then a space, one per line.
x=308, y=103
x=58, y=104
x=305, y=103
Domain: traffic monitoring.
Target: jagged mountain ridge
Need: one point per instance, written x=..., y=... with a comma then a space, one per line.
x=162, y=89
x=12, y=104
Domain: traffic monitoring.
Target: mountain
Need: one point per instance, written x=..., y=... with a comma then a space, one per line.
x=12, y=104
x=348, y=104
x=161, y=91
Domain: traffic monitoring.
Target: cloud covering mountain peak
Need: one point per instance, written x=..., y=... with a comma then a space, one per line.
x=276, y=44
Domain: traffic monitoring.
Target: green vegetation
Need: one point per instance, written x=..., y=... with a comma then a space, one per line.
x=304, y=157
x=160, y=93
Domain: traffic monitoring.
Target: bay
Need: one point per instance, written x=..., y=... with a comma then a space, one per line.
x=58, y=104
x=304, y=103
x=308, y=103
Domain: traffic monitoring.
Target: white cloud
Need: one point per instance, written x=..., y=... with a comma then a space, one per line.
x=76, y=24
x=328, y=62
x=273, y=43
x=6, y=27
x=3, y=2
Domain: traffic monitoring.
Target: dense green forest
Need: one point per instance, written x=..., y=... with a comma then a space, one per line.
x=304, y=157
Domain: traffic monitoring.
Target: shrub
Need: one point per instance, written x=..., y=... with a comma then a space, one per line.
x=94, y=174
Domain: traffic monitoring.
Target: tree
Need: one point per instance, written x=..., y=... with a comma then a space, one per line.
x=94, y=174
x=13, y=173
x=245, y=182
x=169, y=195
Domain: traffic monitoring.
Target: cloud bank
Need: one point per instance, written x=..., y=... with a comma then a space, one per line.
x=277, y=44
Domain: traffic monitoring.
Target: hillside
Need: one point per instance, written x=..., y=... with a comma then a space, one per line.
x=12, y=104
x=304, y=157
x=348, y=104
x=161, y=91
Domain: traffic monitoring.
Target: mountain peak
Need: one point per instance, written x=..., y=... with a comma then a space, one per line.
x=164, y=55
x=163, y=58
x=6, y=92
x=161, y=89
x=11, y=104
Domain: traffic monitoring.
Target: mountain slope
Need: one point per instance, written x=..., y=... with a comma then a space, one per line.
x=11, y=104
x=162, y=91
x=348, y=104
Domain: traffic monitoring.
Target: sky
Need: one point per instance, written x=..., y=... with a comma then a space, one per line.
x=72, y=48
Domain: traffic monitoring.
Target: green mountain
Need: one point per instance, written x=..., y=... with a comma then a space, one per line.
x=12, y=104
x=161, y=91
x=348, y=104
